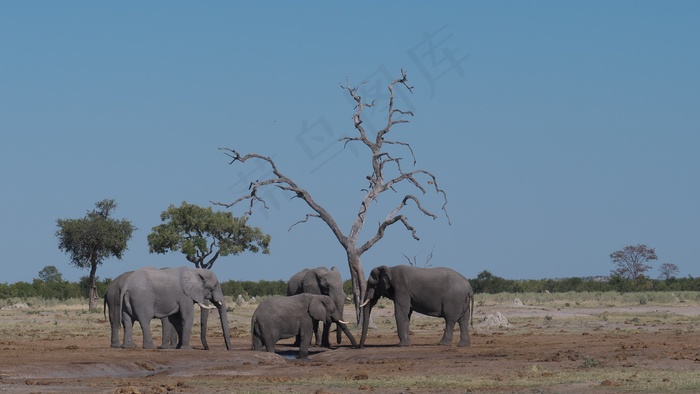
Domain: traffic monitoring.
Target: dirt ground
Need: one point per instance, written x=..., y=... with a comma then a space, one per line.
x=537, y=350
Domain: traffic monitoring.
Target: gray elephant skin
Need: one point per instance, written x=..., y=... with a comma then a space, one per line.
x=438, y=292
x=112, y=302
x=149, y=293
x=321, y=281
x=281, y=317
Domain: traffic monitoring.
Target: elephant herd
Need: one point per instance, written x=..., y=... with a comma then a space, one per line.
x=314, y=296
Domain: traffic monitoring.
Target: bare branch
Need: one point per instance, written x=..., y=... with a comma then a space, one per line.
x=418, y=205
x=406, y=145
x=306, y=219
x=429, y=257
x=410, y=177
x=391, y=219
x=357, y=116
x=411, y=263
x=390, y=119
x=281, y=181
x=348, y=139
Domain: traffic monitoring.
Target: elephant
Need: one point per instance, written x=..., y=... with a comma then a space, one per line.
x=438, y=292
x=320, y=281
x=280, y=317
x=112, y=300
x=168, y=292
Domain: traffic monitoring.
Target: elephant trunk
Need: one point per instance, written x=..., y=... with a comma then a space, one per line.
x=366, y=310
x=338, y=296
x=204, y=314
x=338, y=330
x=344, y=328
x=224, y=324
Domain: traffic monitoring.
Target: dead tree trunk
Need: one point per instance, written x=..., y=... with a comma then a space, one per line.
x=359, y=286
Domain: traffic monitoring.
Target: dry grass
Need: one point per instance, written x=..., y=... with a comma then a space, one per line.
x=591, y=342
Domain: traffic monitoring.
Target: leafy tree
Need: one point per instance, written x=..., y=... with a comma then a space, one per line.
x=388, y=173
x=486, y=282
x=668, y=271
x=50, y=274
x=631, y=261
x=24, y=290
x=92, y=239
x=203, y=235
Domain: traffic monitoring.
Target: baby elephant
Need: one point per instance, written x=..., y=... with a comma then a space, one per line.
x=285, y=317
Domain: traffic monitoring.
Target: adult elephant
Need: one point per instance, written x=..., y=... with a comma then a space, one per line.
x=438, y=292
x=281, y=317
x=113, y=302
x=321, y=281
x=149, y=293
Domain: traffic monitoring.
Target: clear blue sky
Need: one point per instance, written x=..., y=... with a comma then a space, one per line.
x=561, y=131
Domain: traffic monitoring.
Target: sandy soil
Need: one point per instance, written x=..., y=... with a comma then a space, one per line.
x=539, y=349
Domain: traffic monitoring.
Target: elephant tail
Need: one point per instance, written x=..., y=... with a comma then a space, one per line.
x=124, y=305
x=104, y=306
x=470, y=300
x=256, y=343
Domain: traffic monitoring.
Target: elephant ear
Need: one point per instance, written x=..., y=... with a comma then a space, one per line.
x=317, y=309
x=385, y=277
x=193, y=285
x=309, y=282
x=323, y=282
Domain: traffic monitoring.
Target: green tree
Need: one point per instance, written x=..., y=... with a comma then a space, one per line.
x=50, y=274
x=203, y=235
x=631, y=261
x=486, y=282
x=92, y=239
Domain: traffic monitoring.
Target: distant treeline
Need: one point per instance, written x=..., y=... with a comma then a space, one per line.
x=63, y=290
x=485, y=282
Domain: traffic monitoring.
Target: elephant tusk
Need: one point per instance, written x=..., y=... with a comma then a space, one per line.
x=364, y=304
x=343, y=322
x=203, y=306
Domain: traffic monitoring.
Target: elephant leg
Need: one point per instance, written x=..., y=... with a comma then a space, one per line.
x=447, y=336
x=257, y=343
x=317, y=333
x=269, y=339
x=115, y=333
x=128, y=342
x=304, y=346
x=187, y=317
x=147, y=337
x=203, y=318
x=402, y=324
x=464, y=340
x=306, y=335
x=171, y=331
x=326, y=341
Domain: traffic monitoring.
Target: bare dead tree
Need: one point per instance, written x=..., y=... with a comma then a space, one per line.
x=379, y=183
x=631, y=261
x=414, y=263
x=668, y=271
